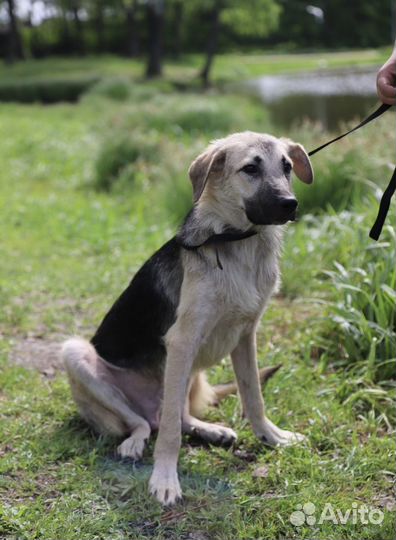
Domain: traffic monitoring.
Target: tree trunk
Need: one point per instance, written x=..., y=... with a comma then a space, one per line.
x=155, y=23
x=176, y=28
x=15, y=51
x=212, y=44
x=79, y=39
x=99, y=27
x=66, y=39
x=133, y=41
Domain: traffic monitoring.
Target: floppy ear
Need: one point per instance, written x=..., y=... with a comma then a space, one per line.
x=210, y=162
x=301, y=162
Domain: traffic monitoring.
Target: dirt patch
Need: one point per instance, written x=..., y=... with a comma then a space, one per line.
x=38, y=353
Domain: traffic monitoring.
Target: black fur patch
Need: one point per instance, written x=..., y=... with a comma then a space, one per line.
x=131, y=334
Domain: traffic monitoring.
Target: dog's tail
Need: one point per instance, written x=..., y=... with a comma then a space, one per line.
x=224, y=390
x=202, y=394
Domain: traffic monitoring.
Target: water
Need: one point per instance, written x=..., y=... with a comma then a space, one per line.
x=330, y=97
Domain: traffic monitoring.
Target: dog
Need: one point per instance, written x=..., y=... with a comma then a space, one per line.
x=195, y=301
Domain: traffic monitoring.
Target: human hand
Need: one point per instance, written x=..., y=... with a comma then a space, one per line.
x=386, y=81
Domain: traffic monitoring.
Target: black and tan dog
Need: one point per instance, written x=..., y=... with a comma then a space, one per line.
x=196, y=300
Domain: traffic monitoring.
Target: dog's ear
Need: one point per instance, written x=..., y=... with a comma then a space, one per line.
x=211, y=162
x=301, y=162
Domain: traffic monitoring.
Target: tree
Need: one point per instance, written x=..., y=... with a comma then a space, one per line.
x=133, y=39
x=213, y=40
x=15, y=48
x=75, y=7
x=248, y=18
x=99, y=24
x=343, y=24
x=155, y=28
x=176, y=23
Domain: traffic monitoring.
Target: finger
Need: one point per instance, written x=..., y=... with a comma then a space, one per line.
x=385, y=87
x=386, y=100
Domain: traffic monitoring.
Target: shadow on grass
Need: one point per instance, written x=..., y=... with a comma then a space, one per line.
x=124, y=482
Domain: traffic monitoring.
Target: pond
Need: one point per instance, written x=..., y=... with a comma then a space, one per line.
x=330, y=97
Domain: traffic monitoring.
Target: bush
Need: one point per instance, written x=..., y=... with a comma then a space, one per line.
x=206, y=117
x=120, y=154
x=354, y=279
x=364, y=306
x=45, y=90
x=118, y=88
x=339, y=180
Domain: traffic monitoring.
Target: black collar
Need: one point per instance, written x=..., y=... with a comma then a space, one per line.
x=228, y=235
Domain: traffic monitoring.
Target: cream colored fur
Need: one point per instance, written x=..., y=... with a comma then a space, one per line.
x=219, y=309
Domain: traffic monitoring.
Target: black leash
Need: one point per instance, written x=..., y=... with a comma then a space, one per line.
x=390, y=190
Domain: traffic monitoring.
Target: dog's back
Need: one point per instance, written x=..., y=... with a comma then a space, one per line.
x=131, y=333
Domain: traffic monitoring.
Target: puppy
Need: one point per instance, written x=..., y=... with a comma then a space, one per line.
x=195, y=301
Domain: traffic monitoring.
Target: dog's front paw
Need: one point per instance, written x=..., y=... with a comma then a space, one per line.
x=132, y=447
x=164, y=484
x=274, y=436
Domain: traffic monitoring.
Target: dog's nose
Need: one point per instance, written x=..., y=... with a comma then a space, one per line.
x=288, y=203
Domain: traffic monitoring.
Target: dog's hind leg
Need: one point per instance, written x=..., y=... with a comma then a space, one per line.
x=200, y=395
x=246, y=371
x=101, y=403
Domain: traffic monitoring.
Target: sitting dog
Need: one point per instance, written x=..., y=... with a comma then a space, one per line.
x=196, y=300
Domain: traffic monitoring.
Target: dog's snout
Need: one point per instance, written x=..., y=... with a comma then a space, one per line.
x=288, y=203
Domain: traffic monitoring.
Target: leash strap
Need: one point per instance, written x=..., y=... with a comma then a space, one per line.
x=376, y=229
x=378, y=112
x=383, y=208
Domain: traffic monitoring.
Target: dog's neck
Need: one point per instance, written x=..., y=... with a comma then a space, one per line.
x=202, y=227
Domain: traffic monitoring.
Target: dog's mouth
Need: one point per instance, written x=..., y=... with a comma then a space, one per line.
x=270, y=216
x=282, y=221
x=278, y=211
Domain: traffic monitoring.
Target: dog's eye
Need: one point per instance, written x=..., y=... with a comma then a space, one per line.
x=287, y=167
x=251, y=169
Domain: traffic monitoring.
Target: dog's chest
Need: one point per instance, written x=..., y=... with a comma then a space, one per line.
x=241, y=291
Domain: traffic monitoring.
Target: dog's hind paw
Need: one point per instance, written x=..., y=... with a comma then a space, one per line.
x=274, y=436
x=164, y=485
x=212, y=433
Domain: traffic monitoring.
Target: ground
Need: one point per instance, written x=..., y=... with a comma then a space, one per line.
x=69, y=247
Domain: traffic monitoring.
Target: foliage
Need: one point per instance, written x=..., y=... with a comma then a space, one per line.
x=338, y=29
x=117, y=88
x=145, y=136
x=91, y=27
x=45, y=90
x=124, y=155
x=252, y=18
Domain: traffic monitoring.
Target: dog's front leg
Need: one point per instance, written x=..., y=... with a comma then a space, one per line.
x=246, y=371
x=182, y=343
x=164, y=483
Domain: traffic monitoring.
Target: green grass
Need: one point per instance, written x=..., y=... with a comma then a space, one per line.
x=69, y=248
x=184, y=72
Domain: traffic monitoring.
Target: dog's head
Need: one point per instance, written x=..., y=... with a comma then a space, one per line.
x=245, y=179
x=252, y=172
